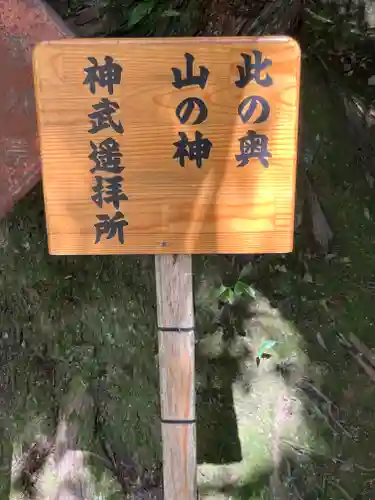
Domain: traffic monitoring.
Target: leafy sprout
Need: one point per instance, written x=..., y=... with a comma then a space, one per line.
x=240, y=290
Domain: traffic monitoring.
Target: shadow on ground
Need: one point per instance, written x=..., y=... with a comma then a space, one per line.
x=92, y=320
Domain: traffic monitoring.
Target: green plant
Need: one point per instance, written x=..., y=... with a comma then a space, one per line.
x=140, y=11
x=240, y=289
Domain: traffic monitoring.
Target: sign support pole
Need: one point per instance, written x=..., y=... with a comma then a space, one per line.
x=175, y=313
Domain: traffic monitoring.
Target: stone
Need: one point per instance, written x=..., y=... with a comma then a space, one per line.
x=23, y=24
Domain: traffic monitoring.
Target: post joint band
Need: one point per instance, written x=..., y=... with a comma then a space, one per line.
x=178, y=421
x=176, y=329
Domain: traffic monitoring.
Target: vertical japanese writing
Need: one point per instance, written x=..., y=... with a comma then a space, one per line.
x=106, y=155
x=198, y=148
x=254, y=108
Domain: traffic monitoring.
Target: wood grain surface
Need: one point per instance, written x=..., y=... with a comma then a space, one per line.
x=218, y=208
x=175, y=312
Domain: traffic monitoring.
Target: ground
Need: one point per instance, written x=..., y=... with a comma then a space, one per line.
x=87, y=324
x=91, y=321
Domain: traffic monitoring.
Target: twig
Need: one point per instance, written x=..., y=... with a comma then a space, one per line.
x=296, y=491
x=330, y=406
x=319, y=393
x=341, y=489
x=290, y=476
x=318, y=17
x=368, y=368
x=98, y=458
x=364, y=469
x=339, y=425
x=298, y=449
x=360, y=353
x=363, y=349
x=319, y=413
x=354, y=465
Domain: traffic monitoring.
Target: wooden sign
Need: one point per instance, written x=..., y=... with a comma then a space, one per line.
x=168, y=146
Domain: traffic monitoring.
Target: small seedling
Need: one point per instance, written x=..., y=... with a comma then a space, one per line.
x=229, y=294
x=267, y=344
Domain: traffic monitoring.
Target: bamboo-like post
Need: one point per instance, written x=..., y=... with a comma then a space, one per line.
x=175, y=312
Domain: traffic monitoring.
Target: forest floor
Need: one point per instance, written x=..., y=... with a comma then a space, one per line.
x=319, y=298
x=90, y=321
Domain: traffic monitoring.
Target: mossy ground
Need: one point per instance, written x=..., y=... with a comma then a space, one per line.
x=92, y=320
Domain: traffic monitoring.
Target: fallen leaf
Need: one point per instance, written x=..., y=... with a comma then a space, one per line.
x=171, y=13
x=366, y=212
x=140, y=11
x=345, y=260
x=320, y=340
x=330, y=256
x=320, y=228
x=281, y=268
x=369, y=179
x=307, y=278
x=323, y=303
x=246, y=271
x=355, y=111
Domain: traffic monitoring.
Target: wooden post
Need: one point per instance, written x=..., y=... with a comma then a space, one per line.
x=175, y=312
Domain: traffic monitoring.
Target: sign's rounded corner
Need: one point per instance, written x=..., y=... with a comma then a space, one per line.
x=295, y=44
x=38, y=48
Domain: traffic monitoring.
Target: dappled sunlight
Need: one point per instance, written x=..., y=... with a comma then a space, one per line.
x=269, y=403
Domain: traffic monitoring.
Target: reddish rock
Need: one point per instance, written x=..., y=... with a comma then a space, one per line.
x=23, y=23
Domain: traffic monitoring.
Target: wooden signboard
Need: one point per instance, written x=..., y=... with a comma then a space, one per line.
x=168, y=146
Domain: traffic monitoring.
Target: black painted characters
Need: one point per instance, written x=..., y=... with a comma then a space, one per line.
x=253, y=145
x=252, y=70
x=186, y=107
x=190, y=79
x=111, y=226
x=106, y=155
x=198, y=148
x=249, y=106
x=107, y=75
x=101, y=117
x=252, y=109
